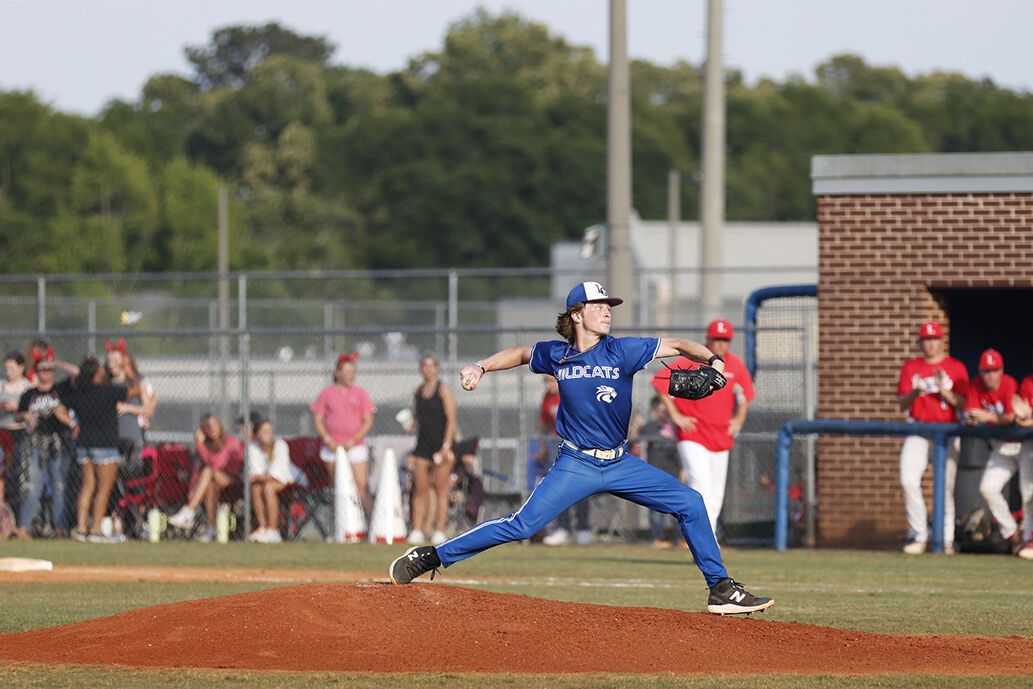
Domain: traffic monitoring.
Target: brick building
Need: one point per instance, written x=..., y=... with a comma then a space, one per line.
x=902, y=239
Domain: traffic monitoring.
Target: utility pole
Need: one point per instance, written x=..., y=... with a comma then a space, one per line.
x=618, y=167
x=713, y=187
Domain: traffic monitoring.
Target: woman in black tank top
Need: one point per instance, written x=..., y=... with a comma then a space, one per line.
x=431, y=461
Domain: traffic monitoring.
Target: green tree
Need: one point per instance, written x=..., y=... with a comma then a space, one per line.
x=236, y=51
x=114, y=205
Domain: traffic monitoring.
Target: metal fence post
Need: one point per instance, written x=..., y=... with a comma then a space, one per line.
x=939, y=485
x=809, y=404
x=328, y=325
x=244, y=343
x=41, y=304
x=91, y=325
x=453, y=317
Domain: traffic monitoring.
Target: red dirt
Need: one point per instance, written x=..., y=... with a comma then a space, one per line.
x=374, y=627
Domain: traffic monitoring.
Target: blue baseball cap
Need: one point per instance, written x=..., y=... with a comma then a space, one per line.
x=590, y=291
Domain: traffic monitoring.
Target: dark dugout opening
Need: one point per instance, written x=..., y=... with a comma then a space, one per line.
x=981, y=318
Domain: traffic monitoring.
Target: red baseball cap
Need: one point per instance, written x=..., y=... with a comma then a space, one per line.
x=929, y=330
x=990, y=360
x=720, y=330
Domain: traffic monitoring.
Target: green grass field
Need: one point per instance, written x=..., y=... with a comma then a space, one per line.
x=870, y=591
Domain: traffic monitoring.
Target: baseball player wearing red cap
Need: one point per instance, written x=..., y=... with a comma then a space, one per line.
x=1023, y=408
x=706, y=428
x=931, y=389
x=990, y=401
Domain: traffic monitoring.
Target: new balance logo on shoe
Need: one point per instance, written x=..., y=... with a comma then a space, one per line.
x=728, y=597
x=413, y=563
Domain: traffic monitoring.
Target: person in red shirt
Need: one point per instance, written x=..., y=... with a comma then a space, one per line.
x=1023, y=408
x=990, y=400
x=222, y=460
x=706, y=428
x=931, y=389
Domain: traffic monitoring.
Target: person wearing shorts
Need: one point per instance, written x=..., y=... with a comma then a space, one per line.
x=95, y=404
x=431, y=461
x=342, y=415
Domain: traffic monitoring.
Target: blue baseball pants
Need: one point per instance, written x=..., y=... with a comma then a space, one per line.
x=576, y=475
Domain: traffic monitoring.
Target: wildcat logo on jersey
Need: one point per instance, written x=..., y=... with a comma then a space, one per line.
x=571, y=372
x=604, y=393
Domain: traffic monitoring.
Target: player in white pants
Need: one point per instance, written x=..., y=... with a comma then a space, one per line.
x=915, y=456
x=991, y=400
x=1023, y=408
x=1004, y=461
x=931, y=389
x=707, y=472
x=707, y=428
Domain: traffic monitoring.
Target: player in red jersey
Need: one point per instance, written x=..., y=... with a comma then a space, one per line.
x=990, y=401
x=706, y=428
x=931, y=389
x=1023, y=408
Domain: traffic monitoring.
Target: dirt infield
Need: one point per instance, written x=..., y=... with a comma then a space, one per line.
x=376, y=627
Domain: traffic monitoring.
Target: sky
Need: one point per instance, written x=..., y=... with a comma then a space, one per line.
x=76, y=55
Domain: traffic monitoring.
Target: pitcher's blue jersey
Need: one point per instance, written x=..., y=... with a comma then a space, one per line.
x=595, y=386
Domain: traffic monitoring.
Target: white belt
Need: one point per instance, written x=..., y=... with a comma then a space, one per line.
x=596, y=452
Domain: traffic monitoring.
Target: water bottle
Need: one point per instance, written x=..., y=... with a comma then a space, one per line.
x=225, y=523
x=157, y=522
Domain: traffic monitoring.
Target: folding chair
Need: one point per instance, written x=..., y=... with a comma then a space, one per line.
x=166, y=487
x=301, y=504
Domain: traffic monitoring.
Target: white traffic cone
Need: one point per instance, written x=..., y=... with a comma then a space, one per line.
x=387, y=525
x=349, y=521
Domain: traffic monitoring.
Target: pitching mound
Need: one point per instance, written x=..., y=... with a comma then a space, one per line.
x=436, y=628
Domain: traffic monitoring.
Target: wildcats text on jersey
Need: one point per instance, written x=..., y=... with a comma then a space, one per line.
x=571, y=372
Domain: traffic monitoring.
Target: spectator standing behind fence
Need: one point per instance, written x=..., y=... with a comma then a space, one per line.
x=658, y=435
x=343, y=415
x=47, y=448
x=222, y=459
x=95, y=405
x=13, y=384
x=989, y=401
x=431, y=461
x=931, y=389
x=135, y=413
x=1023, y=408
x=707, y=428
x=270, y=469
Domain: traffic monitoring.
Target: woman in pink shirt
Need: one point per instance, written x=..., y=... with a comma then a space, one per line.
x=343, y=415
x=222, y=459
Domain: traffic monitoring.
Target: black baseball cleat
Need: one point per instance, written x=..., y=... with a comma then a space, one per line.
x=728, y=597
x=416, y=561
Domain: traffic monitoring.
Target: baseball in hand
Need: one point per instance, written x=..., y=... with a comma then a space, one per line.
x=467, y=382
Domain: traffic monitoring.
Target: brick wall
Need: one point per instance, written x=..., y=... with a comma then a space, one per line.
x=880, y=260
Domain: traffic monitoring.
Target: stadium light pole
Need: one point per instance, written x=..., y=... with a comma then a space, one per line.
x=618, y=167
x=712, y=194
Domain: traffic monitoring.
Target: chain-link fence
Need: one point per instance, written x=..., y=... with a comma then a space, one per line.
x=268, y=344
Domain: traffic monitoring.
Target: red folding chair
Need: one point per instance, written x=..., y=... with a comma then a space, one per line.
x=168, y=484
x=299, y=504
